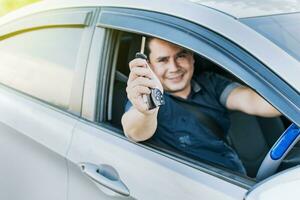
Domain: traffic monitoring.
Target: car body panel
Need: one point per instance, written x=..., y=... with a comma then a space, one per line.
x=283, y=185
x=159, y=177
x=36, y=121
x=34, y=142
x=252, y=8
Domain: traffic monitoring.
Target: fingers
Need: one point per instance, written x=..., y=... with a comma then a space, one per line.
x=135, y=92
x=135, y=95
x=136, y=89
x=138, y=62
x=138, y=71
x=140, y=74
x=142, y=81
x=141, y=105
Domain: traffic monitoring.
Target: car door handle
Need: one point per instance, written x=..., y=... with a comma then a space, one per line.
x=106, y=176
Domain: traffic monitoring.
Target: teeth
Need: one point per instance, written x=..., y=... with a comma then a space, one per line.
x=175, y=76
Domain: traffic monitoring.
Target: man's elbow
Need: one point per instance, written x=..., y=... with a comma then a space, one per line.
x=269, y=111
x=134, y=136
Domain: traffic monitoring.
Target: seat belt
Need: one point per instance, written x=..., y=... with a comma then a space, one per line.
x=204, y=119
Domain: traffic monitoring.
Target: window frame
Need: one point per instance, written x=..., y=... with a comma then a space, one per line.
x=97, y=75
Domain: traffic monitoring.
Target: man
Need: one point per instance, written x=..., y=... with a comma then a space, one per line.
x=175, y=127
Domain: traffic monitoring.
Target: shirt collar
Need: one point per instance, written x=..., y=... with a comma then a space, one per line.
x=196, y=87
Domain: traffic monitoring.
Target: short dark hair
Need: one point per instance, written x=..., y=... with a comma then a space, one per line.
x=147, y=50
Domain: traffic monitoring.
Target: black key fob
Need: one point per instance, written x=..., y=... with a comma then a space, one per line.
x=156, y=97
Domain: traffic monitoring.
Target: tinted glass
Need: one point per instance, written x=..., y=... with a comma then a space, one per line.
x=41, y=63
x=283, y=30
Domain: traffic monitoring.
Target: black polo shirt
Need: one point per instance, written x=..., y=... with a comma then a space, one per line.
x=180, y=130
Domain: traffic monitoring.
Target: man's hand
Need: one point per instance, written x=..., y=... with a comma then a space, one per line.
x=139, y=123
x=141, y=79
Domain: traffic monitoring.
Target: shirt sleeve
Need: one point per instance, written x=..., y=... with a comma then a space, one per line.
x=227, y=90
x=221, y=86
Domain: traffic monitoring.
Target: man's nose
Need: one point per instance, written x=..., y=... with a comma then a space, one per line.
x=173, y=65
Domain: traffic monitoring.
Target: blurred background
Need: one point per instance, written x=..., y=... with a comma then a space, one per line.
x=10, y=5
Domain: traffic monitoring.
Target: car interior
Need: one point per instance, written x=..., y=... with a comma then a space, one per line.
x=250, y=136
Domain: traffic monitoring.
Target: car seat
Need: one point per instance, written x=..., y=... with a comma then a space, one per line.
x=252, y=137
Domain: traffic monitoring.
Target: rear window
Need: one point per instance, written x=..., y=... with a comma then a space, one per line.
x=41, y=63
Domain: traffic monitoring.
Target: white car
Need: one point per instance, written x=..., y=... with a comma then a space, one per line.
x=63, y=72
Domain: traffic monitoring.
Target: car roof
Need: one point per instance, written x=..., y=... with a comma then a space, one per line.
x=223, y=23
x=252, y=8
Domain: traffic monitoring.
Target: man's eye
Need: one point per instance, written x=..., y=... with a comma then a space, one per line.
x=162, y=60
x=182, y=55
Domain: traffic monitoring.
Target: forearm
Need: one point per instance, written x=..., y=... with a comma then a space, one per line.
x=246, y=100
x=138, y=126
x=261, y=107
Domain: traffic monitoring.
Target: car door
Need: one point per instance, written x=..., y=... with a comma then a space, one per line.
x=39, y=68
x=105, y=165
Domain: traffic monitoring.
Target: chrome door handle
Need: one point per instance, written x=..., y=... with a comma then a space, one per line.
x=106, y=176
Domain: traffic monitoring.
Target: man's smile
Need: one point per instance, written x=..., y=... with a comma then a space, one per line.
x=176, y=77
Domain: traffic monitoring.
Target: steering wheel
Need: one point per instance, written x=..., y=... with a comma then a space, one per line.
x=279, y=151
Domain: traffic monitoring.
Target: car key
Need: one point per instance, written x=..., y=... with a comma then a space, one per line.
x=155, y=98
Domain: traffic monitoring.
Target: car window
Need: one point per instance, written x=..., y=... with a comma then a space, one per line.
x=129, y=45
x=41, y=63
x=244, y=129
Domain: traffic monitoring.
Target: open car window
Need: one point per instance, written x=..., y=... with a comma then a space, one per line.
x=251, y=137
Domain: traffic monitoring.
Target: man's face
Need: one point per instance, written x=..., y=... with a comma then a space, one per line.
x=173, y=65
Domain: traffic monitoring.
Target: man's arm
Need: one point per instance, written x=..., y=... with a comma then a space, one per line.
x=139, y=126
x=138, y=122
x=246, y=100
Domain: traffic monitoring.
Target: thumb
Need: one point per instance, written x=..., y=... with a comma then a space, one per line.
x=156, y=79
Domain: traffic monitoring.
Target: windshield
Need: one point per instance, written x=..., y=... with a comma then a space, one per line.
x=283, y=30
